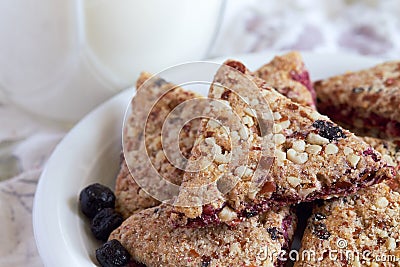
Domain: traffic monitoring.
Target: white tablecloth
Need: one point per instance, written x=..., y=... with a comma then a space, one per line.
x=368, y=27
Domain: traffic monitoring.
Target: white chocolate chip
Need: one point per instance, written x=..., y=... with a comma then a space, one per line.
x=210, y=141
x=279, y=139
x=242, y=171
x=296, y=157
x=353, y=160
x=221, y=167
x=281, y=156
x=347, y=151
x=227, y=214
x=293, y=181
x=382, y=234
x=212, y=124
x=389, y=160
x=277, y=128
x=254, y=102
x=391, y=243
x=285, y=124
x=299, y=145
x=356, y=263
x=313, y=149
x=277, y=116
x=315, y=115
x=316, y=139
x=220, y=158
x=331, y=149
x=218, y=90
x=248, y=121
x=235, y=136
x=306, y=191
x=374, y=264
x=382, y=202
x=243, y=132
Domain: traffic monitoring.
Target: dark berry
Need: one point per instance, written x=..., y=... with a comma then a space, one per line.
x=273, y=232
x=106, y=221
x=94, y=198
x=248, y=213
x=321, y=231
x=319, y=217
x=205, y=261
x=112, y=254
x=328, y=130
x=159, y=82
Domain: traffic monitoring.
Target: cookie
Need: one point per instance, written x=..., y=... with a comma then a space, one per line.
x=294, y=155
x=289, y=76
x=152, y=240
x=130, y=197
x=282, y=72
x=367, y=102
x=358, y=230
x=390, y=152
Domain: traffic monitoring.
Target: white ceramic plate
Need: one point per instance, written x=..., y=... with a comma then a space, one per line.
x=90, y=153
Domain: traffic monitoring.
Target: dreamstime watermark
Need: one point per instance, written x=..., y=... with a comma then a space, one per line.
x=315, y=256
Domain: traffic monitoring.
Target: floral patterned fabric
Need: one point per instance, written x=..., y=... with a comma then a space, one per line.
x=368, y=27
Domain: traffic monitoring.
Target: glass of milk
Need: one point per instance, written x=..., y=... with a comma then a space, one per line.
x=61, y=58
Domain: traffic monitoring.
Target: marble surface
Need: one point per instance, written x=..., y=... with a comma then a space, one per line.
x=366, y=27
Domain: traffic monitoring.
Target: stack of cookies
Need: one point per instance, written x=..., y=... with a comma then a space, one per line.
x=284, y=152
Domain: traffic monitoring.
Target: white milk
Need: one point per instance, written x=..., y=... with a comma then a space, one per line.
x=61, y=58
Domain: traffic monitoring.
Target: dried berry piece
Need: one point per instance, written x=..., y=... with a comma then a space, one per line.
x=112, y=254
x=106, y=221
x=319, y=217
x=248, y=213
x=94, y=198
x=371, y=152
x=321, y=231
x=273, y=232
x=237, y=65
x=205, y=261
x=328, y=130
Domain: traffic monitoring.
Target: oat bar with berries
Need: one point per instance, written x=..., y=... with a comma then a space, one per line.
x=308, y=159
x=359, y=230
x=130, y=197
x=152, y=240
x=282, y=72
x=288, y=75
x=366, y=101
x=390, y=152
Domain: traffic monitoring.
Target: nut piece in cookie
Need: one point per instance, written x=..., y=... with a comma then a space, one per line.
x=357, y=230
x=289, y=76
x=294, y=154
x=129, y=196
x=152, y=240
x=367, y=102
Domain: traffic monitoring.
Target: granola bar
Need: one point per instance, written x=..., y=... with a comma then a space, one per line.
x=153, y=241
x=312, y=157
x=288, y=75
x=366, y=101
x=130, y=197
x=390, y=152
x=358, y=230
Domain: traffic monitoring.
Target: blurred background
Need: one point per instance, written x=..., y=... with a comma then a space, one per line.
x=60, y=59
